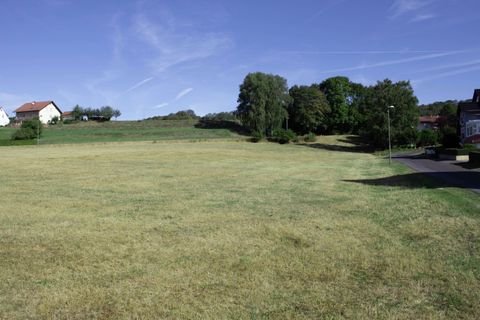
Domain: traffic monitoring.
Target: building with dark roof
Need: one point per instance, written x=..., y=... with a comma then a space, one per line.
x=469, y=120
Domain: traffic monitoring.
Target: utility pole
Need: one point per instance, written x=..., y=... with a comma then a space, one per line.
x=389, y=137
x=38, y=132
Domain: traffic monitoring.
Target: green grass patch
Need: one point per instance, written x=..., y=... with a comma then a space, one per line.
x=220, y=229
x=117, y=131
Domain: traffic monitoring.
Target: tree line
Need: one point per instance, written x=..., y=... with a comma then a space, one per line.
x=266, y=105
x=104, y=113
x=447, y=132
x=179, y=115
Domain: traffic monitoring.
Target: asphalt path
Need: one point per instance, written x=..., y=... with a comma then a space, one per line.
x=449, y=172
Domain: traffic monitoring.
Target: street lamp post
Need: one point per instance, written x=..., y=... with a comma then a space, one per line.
x=389, y=137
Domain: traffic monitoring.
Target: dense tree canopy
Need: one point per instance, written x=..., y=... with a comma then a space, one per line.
x=342, y=98
x=179, y=115
x=435, y=108
x=404, y=116
x=337, y=105
x=103, y=113
x=263, y=102
x=221, y=116
x=308, y=109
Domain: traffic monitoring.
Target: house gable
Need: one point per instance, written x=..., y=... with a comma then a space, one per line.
x=476, y=96
x=36, y=106
x=45, y=110
x=4, y=120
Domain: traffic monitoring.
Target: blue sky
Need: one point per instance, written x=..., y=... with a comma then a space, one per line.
x=155, y=57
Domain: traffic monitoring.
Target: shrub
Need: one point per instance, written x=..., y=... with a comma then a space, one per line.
x=29, y=130
x=24, y=134
x=449, y=137
x=283, y=136
x=54, y=120
x=256, y=136
x=310, y=137
x=405, y=137
x=428, y=137
x=33, y=124
x=470, y=147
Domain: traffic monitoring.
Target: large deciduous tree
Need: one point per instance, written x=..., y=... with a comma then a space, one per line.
x=263, y=102
x=403, y=117
x=342, y=96
x=307, y=109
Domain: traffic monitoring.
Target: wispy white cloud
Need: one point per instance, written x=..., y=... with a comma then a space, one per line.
x=161, y=105
x=360, y=52
x=57, y=3
x=325, y=8
x=177, y=97
x=183, y=93
x=423, y=17
x=10, y=101
x=394, y=62
x=139, y=84
x=172, y=46
x=401, y=7
x=361, y=78
x=445, y=75
x=449, y=66
x=113, y=70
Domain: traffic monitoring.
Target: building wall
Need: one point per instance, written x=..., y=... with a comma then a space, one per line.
x=425, y=125
x=464, y=118
x=47, y=113
x=21, y=116
x=3, y=118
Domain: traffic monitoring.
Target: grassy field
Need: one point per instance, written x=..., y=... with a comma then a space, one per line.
x=230, y=230
x=114, y=131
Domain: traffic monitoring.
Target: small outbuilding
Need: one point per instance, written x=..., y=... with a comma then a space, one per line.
x=68, y=115
x=430, y=122
x=43, y=110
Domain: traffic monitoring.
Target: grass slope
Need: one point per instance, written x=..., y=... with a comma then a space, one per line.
x=230, y=230
x=114, y=131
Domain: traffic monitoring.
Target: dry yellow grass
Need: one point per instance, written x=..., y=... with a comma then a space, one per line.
x=237, y=230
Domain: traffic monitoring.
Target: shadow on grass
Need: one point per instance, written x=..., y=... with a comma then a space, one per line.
x=232, y=126
x=356, y=144
x=462, y=179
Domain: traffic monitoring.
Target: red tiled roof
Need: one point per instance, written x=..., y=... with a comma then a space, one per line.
x=472, y=139
x=432, y=119
x=34, y=106
x=67, y=113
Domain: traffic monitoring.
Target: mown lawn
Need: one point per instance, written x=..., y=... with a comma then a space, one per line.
x=115, y=131
x=217, y=230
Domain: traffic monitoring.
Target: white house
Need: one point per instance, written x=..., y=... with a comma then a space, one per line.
x=43, y=110
x=4, y=120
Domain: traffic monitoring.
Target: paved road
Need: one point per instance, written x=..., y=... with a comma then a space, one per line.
x=449, y=172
